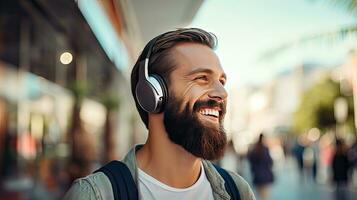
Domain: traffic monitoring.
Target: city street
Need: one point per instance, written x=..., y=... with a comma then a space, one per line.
x=288, y=185
x=249, y=85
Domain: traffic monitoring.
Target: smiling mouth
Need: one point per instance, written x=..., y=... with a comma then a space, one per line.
x=210, y=114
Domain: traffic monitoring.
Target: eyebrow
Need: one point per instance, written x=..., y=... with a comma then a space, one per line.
x=204, y=70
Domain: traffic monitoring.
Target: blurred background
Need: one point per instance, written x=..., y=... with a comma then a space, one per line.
x=66, y=106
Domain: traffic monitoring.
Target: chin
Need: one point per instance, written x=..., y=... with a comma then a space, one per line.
x=199, y=132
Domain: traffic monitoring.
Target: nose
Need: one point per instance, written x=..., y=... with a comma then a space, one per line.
x=218, y=92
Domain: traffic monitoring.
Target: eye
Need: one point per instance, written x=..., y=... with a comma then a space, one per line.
x=223, y=81
x=202, y=77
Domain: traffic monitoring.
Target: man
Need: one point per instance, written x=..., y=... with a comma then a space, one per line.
x=178, y=87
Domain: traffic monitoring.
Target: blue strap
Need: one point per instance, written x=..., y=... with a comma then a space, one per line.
x=229, y=183
x=124, y=187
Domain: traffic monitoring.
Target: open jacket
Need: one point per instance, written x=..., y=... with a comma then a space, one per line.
x=98, y=187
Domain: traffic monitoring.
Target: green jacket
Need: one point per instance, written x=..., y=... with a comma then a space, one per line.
x=97, y=186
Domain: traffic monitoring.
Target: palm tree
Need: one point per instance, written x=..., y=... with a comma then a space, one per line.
x=328, y=37
x=77, y=163
x=349, y=5
x=111, y=103
x=331, y=36
x=337, y=35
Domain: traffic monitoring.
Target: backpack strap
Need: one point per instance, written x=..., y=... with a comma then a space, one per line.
x=229, y=183
x=124, y=187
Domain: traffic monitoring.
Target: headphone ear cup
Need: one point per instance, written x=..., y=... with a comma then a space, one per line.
x=151, y=94
x=164, y=90
x=146, y=96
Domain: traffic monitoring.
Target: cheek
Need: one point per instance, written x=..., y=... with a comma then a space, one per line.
x=192, y=94
x=187, y=94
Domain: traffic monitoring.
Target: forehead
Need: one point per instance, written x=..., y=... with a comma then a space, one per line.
x=191, y=56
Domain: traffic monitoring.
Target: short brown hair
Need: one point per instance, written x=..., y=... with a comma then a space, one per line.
x=161, y=61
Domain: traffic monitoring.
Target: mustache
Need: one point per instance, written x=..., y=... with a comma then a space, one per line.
x=211, y=104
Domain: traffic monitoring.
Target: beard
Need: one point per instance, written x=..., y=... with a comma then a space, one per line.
x=203, y=140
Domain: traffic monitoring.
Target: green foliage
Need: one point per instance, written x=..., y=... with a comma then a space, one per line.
x=317, y=107
x=110, y=101
x=79, y=90
x=330, y=37
x=350, y=5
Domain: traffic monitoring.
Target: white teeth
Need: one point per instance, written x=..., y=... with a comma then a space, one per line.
x=210, y=112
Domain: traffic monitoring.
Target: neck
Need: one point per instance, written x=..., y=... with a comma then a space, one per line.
x=166, y=161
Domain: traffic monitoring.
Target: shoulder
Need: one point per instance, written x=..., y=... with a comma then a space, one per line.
x=245, y=190
x=92, y=187
x=217, y=181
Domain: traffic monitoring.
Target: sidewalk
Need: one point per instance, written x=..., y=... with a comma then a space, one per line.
x=288, y=185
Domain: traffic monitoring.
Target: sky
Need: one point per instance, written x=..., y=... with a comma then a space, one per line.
x=246, y=29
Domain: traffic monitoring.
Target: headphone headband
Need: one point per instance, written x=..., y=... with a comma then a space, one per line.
x=151, y=46
x=146, y=60
x=151, y=92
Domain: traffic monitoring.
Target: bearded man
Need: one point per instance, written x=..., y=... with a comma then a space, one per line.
x=178, y=87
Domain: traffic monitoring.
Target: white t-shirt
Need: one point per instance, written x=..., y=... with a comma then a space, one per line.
x=152, y=189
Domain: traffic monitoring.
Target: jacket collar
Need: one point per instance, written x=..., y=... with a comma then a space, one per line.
x=215, y=179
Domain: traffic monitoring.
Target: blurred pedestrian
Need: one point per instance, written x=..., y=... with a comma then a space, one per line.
x=298, y=151
x=316, y=160
x=340, y=166
x=352, y=157
x=310, y=160
x=261, y=165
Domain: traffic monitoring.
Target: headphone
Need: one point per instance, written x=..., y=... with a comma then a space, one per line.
x=151, y=91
